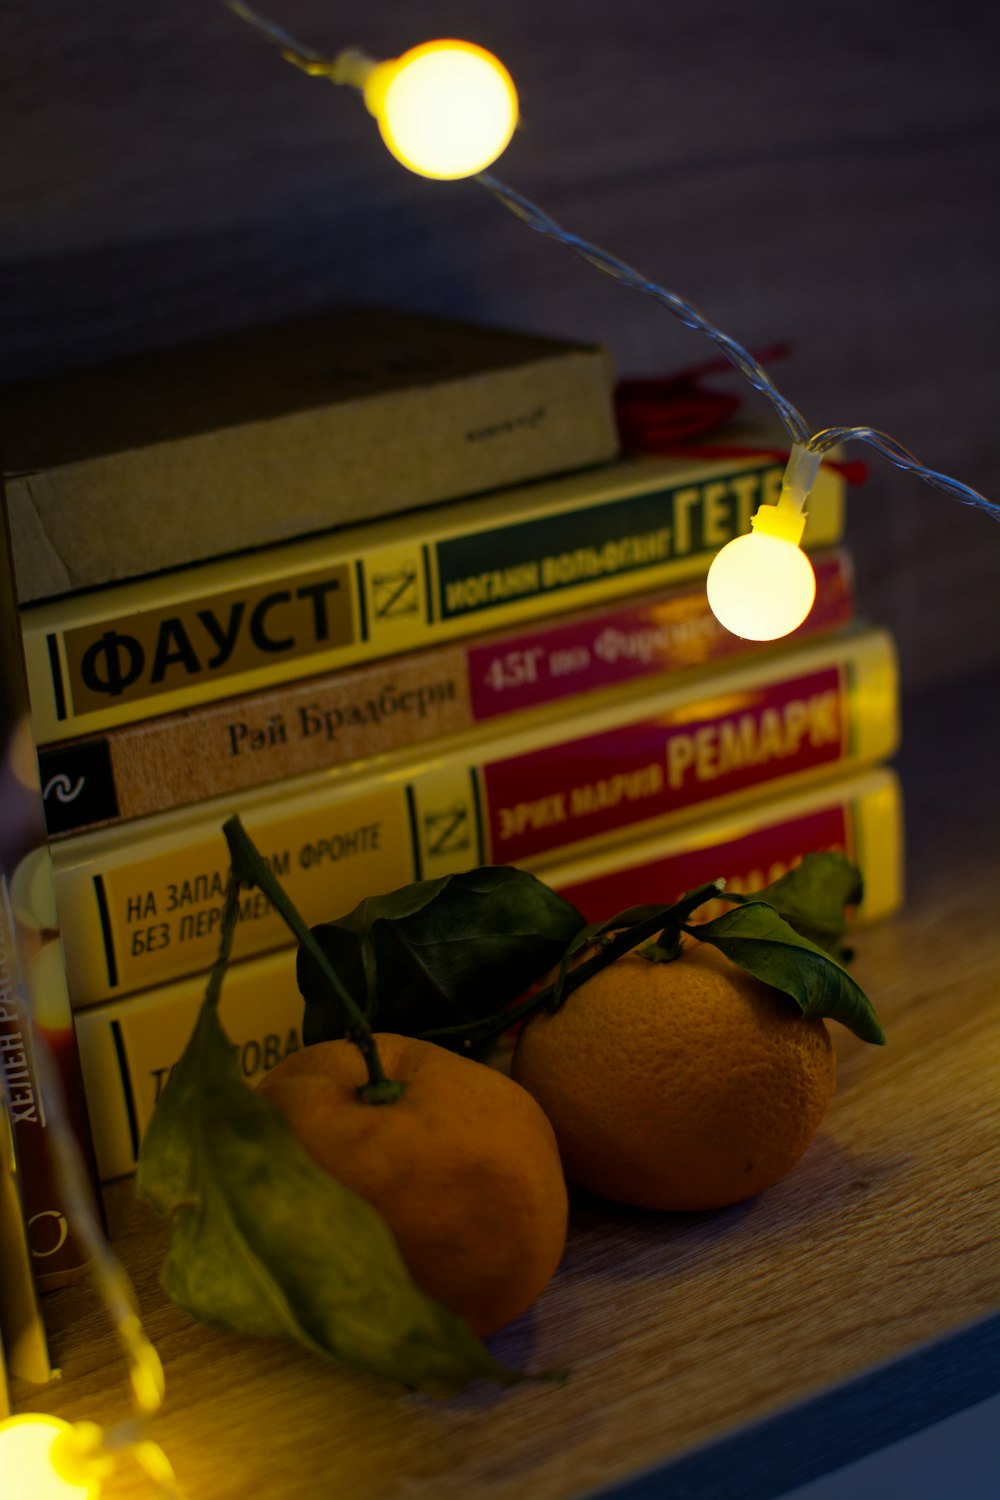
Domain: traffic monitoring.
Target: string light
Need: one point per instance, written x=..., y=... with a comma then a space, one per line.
x=446, y=109
x=41, y=1456
x=762, y=586
x=44, y=1458
x=751, y=574
x=754, y=572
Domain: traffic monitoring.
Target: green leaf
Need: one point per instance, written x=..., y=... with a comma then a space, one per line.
x=264, y=1242
x=438, y=953
x=813, y=896
x=757, y=938
x=609, y=939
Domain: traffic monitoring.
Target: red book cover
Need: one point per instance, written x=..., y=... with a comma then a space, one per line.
x=747, y=863
x=670, y=632
x=713, y=746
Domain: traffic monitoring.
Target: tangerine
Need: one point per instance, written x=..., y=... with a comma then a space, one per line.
x=463, y=1167
x=686, y=1084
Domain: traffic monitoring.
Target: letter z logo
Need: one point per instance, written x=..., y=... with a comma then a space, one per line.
x=395, y=594
x=447, y=831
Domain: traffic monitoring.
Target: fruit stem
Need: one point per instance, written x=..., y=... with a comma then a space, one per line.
x=664, y=920
x=251, y=867
x=622, y=941
x=230, y=916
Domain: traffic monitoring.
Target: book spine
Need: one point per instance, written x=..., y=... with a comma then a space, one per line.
x=23, y=1346
x=140, y=650
x=255, y=740
x=34, y=999
x=128, y=1047
x=860, y=817
x=143, y=904
x=46, y=1225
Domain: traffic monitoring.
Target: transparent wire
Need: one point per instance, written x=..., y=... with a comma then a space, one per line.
x=344, y=69
x=350, y=66
x=293, y=50
x=792, y=420
x=113, y=1285
x=822, y=442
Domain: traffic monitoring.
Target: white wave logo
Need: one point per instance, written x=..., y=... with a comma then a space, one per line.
x=62, y=788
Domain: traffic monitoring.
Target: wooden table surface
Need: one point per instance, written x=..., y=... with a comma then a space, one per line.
x=677, y=1330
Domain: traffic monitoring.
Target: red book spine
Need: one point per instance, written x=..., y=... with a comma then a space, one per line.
x=646, y=637
x=747, y=863
x=665, y=764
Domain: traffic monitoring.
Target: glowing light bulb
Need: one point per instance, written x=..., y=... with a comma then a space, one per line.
x=44, y=1458
x=761, y=586
x=445, y=109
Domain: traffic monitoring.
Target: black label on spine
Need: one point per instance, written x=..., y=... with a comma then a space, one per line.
x=78, y=785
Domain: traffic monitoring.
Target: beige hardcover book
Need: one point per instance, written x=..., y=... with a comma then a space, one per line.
x=169, y=458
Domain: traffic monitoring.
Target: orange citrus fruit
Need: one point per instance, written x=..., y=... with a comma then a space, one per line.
x=464, y=1167
x=679, y=1085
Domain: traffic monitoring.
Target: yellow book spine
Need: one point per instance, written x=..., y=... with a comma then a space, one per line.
x=129, y=1046
x=860, y=816
x=397, y=703
x=141, y=905
x=115, y=656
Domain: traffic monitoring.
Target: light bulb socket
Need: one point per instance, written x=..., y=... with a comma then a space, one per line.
x=80, y=1457
x=784, y=522
x=800, y=476
x=374, y=82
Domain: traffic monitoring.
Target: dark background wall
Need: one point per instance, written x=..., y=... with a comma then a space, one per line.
x=826, y=174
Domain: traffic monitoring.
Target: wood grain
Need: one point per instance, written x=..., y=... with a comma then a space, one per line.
x=676, y=1329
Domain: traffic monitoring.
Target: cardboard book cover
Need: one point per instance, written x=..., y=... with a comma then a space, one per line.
x=168, y=458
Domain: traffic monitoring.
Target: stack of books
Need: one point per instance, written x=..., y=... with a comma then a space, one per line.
x=528, y=675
